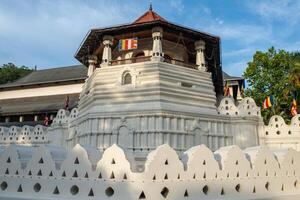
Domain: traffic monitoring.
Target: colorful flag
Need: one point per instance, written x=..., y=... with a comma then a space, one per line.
x=127, y=44
x=226, y=90
x=268, y=102
x=294, y=110
x=67, y=102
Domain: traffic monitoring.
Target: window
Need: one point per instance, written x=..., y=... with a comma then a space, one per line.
x=139, y=57
x=168, y=58
x=127, y=79
x=141, y=54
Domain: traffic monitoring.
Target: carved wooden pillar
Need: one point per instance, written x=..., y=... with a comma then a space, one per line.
x=106, y=56
x=157, y=53
x=92, y=65
x=200, y=59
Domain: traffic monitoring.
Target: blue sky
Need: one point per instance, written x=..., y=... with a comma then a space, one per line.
x=47, y=33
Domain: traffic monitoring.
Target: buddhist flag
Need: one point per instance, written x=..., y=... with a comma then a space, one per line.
x=268, y=102
x=226, y=90
x=127, y=44
x=294, y=110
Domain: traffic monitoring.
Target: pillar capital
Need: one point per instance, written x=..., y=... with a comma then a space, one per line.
x=199, y=45
x=107, y=40
x=92, y=60
x=157, y=32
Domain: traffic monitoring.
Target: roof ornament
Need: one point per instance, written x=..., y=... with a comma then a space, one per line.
x=150, y=6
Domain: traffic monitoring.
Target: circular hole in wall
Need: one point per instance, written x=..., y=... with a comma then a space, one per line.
x=267, y=185
x=74, y=190
x=238, y=187
x=296, y=184
x=37, y=187
x=109, y=192
x=205, y=189
x=278, y=132
x=3, y=185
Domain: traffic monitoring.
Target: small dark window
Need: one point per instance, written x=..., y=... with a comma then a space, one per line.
x=138, y=57
x=167, y=58
x=188, y=85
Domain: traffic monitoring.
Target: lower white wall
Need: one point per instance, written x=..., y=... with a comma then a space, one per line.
x=229, y=173
x=278, y=134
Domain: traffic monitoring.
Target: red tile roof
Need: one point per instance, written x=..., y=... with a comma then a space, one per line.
x=148, y=17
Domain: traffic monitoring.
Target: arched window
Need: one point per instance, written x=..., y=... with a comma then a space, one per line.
x=127, y=79
x=138, y=57
x=140, y=54
x=168, y=58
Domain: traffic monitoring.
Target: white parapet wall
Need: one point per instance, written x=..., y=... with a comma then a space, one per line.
x=25, y=135
x=50, y=172
x=278, y=134
x=247, y=107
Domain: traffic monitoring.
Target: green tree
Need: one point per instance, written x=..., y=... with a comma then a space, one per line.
x=294, y=76
x=274, y=72
x=10, y=72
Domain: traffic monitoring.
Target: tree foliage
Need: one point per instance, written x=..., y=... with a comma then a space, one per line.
x=275, y=72
x=10, y=72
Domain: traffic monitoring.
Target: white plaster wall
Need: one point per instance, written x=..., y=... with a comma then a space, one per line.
x=155, y=109
x=165, y=175
x=42, y=91
x=278, y=134
x=26, y=135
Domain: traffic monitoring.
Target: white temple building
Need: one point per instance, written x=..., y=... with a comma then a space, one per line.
x=152, y=123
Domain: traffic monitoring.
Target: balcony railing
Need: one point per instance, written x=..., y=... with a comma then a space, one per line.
x=130, y=60
x=180, y=63
x=148, y=58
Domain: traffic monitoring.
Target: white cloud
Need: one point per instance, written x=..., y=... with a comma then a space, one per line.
x=177, y=4
x=236, y=68
x=241, y=33
x=47, y=31
x=287, y=11
x=239, y=52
